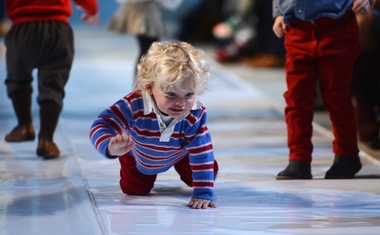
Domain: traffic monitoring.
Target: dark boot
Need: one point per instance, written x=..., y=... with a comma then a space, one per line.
x=344, y=168
x=296, y=170
x=21, y=133
x=22, y=103
x=49, y=115
x=47, y=149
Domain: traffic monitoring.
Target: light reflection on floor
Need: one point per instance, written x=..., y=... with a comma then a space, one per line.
x=79, y=193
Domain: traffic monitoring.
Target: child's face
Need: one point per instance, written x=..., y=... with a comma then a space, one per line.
x=174, y=102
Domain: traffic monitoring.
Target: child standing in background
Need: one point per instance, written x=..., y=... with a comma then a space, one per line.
x=141, y=18
x=40, y=38
x=162, y=124
x=322, y=42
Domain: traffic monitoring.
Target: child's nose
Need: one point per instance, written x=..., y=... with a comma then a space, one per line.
x=180, y=101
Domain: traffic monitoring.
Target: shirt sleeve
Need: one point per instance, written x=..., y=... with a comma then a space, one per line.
x=201, y=156
x=116, y=119
x=275, y=11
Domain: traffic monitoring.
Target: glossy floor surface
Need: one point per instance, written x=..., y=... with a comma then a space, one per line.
x=79, y=192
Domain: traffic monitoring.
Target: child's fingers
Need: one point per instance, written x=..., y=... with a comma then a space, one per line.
x=119, y=138
x=127, y=139
x=212, y=204
x=120, y=144
x=361, y=6
x=130, y=142
x=197, y=203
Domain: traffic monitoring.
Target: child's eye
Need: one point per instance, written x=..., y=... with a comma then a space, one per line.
x=189, y=95
x=171, y=94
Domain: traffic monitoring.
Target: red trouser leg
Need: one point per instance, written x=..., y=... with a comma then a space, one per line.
x=184, y=170
x=132, y=181
x=338, y=50
x=326, y=50
x=301, y=78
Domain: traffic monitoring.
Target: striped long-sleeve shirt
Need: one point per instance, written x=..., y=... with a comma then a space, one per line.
x=158, y=149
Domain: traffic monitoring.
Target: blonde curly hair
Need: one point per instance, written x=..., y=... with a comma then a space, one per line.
x=167, y=64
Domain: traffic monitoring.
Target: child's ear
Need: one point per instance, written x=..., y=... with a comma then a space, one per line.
x=148, y=88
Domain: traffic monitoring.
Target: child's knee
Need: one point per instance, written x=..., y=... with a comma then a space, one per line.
x=131, y=189
x=216, y=169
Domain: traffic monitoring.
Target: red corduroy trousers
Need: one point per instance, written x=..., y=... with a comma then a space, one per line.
x=326, y=50
x=133, y=182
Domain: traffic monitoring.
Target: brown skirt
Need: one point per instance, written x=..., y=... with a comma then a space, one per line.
x=138, y=19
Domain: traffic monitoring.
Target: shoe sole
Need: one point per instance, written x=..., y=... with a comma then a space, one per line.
x=309, y=177
x=42, y=153
x=29, y=138
x=332, y=177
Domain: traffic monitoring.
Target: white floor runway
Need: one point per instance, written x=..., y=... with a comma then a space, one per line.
x=79, y=192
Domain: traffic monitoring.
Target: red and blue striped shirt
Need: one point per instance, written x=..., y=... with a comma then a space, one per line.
x=157, y=150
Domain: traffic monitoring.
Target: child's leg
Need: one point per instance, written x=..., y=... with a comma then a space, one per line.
x=301, y=77
x=338, y=50
x=144, y=44
x=49, y=116
x=20, y=65
x=132, y=181
x=54, y=66
x=184, y=170
x=22, y=103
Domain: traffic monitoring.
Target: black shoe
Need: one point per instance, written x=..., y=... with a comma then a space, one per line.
x=344, y=168
x=295, y=170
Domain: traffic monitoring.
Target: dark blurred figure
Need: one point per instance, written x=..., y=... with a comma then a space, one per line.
x=235, y=34
x=4, y=26
x=366, y=79
x=269, y=49
x=258, y=47
x=196, y=24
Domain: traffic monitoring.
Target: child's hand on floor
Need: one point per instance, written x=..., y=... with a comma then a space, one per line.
x=198, y=203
